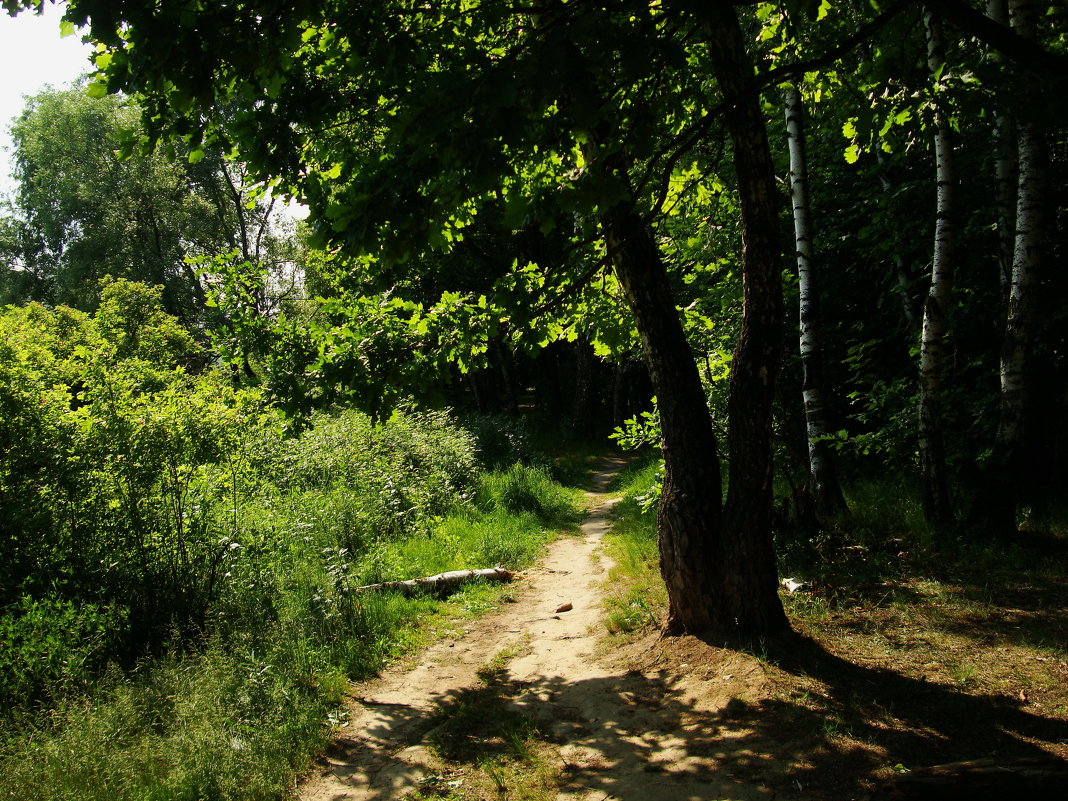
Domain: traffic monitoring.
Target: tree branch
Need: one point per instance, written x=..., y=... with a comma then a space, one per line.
x=1003, y=39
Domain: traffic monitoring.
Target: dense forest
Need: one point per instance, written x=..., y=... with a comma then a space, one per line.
x=797, y=250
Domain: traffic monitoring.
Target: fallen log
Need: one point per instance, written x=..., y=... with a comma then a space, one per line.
x=442, y=582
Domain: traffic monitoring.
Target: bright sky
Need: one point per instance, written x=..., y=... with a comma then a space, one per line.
x=32, y=56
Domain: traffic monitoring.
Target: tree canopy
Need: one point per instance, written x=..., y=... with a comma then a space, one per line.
x=486, y=173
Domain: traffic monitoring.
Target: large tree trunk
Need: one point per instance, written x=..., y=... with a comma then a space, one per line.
x=719, y=569
x=823, y=480
x=935, y=483
x=748, y=580
x=688, y=518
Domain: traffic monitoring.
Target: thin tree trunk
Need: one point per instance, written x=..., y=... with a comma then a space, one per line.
x=1005, y=167
x=936, y=503
x=901, y=272
x=619, y=394
x=582, y=401
x=747, y=562
x=823, y=480
x=1032, y=198
x=505, y=365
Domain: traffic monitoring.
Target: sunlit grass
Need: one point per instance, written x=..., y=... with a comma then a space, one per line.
x=239, y=714
x=636, y=593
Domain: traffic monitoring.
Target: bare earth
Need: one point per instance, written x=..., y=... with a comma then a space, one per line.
x=637, y=726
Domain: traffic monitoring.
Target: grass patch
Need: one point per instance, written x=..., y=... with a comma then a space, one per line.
x=238, y=712
x=930, y=649
x=636, y=593
x=489, y=749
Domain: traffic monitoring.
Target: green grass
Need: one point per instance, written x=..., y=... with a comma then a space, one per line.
x=240, y=712
x=636, y=591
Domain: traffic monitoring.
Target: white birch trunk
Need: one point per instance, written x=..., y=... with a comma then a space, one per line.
x=936, y=503
x=1032, y=199
x=824, y=486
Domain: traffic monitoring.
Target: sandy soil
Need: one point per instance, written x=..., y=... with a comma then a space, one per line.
x=638, y=725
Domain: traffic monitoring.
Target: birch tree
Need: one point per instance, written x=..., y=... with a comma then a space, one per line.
x=1005, y=172
x=1000, y=502
x=937, y=507
x=823, y=480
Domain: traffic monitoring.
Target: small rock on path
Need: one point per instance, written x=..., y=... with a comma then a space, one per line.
x=622, y=734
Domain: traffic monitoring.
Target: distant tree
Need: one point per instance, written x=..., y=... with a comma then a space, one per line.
x=83, y=209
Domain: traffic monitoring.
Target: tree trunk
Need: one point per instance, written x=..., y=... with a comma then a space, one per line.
x=688, y=517
x=1000, y=499
x=442, y=582
x=719, y=568
x=506, y=366
x=1004, y=166
x=823, y=480
x=901, y=272
x=935, y=484
x=747, y=561
x=582, y=415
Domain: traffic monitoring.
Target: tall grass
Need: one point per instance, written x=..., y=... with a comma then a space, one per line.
x=636, y=591
x=237, y=711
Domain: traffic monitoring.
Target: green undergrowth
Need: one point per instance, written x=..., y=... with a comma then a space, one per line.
x=635, y=589
x=236, y=706
x=883, y=550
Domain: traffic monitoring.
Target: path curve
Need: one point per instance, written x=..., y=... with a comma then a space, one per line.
x=622, y=734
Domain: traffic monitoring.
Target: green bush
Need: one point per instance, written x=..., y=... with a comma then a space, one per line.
x=49, y=646
x=179, y=605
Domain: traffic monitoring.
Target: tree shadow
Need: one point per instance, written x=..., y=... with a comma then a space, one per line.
x=934, y=723
x=641, y=736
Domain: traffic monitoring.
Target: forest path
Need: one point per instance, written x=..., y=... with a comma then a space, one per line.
x=615, y=733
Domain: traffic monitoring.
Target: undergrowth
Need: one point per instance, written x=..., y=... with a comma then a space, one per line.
x=636, y=592
x=235, y=708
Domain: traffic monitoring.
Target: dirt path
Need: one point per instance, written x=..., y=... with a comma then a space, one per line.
x=615, y=732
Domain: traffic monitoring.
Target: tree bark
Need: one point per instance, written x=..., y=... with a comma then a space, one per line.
x=823, y=480
x=689, y=514
x=1001, y=498
x=1004, y=167
x=749, y=580
x=442, y=582
x=935, y=483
